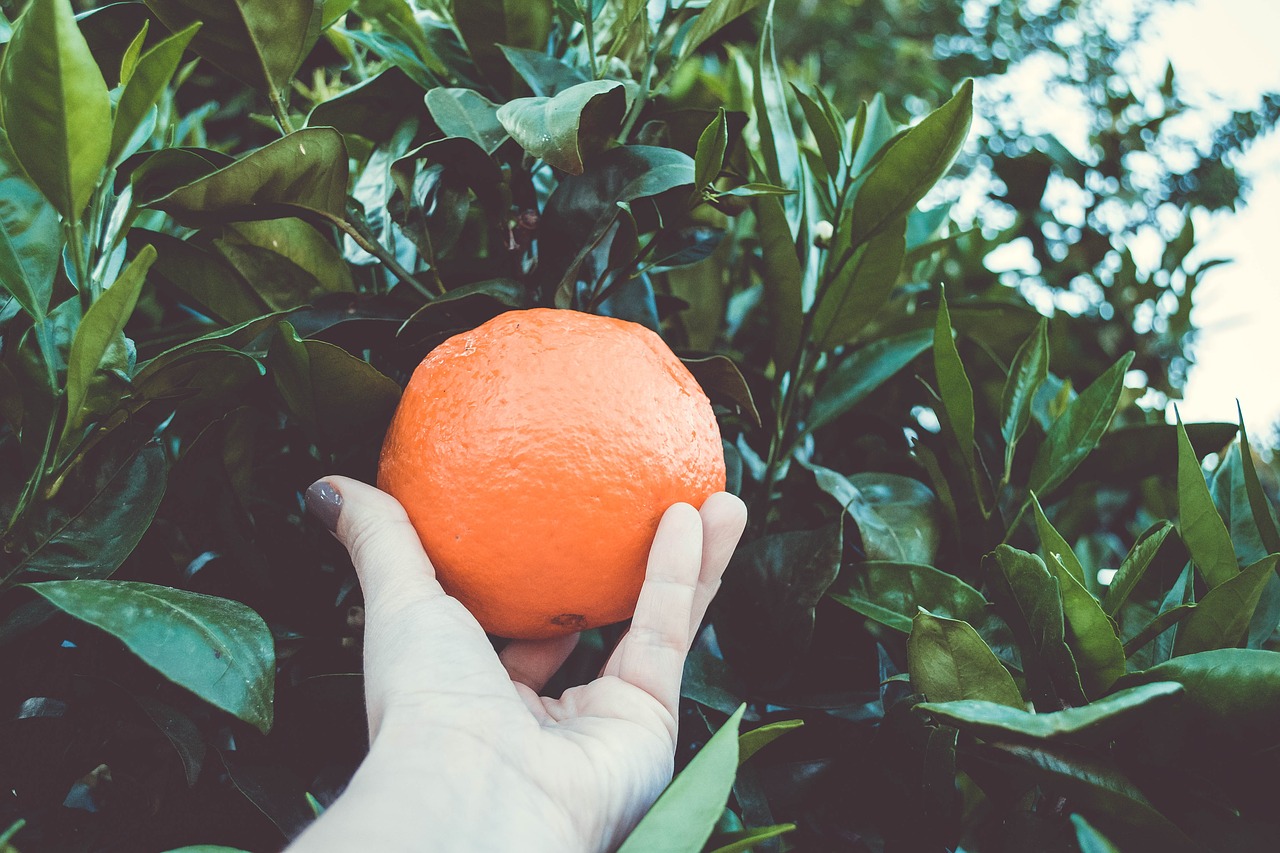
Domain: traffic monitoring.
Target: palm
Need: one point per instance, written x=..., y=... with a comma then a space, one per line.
x=585, y=765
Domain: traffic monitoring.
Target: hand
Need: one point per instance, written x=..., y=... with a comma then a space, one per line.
x=465, y=754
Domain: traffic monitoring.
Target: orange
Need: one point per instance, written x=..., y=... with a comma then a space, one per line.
x=535, y=456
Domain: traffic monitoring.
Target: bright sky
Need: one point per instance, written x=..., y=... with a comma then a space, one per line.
x=1224, y=53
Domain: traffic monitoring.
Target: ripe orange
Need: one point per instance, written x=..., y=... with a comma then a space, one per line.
x=535, y=456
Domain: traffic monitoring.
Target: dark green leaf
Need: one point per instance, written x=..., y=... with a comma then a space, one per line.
x=754, y=189
x=1233, y=693
x=1134, y=566
x=711, y=20
x=486, y=25
x=1100, y=720
x=1091, y=635
x=1163, y=621
x=567, y=128
x=30, y=237
x=911, y=167
x=826, y=132
x=1222, y=617
x=747, y=839
x=1031, y=603
x=682, y=819
x=778, y=146
x=101, y=331
x=204, y=280
x=953, y=386
x=1129, y=453
x=336, y=395
x=259, y=42
x=1089, y=839
x=949, y=662
x=1264, y=516
x=1077, y=431
x=709, y=157
x=372, y=108
x=220, y=650
x=307, y=168
x=396, y=19
x=1199, y=524
x=749, y=743
x=152, y=73
x=545, y=74
x=858, y=288
x=286, y=261
x=897, y=517
x=54, y=106
x=1029, y=369
x=862, y=372
x=719, y=376
x=892, y=594
x=782, y=277
x=707, y=678
x=1052, y=543
x=765, y=612
x=99, y=515
x=467, y=113
x=181, y=732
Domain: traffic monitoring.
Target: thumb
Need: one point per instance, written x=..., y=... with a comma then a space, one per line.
x=384, y=547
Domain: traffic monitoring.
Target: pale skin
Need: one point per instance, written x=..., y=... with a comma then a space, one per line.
x=465, y=754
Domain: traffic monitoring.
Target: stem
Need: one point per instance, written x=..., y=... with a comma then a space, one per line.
x=75, y=240
x=280, y=111
x=588, y=25
x=378, y=251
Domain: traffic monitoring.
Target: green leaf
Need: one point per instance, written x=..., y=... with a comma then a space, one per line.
x=146, y=82
x=1134, y=566
x=858, y=288
x=336, y=395
x=1221, y=618
x=778, y=146
x=101, y=331
x=286, y=261
x=55, y=106
x=30, y=238
x=306, y=169
x=893, y=593
x=1077, y=431
x=259, y=42
x=467, y=113
x=897, y=516
x=1029, y=369
x=749, y=743
x=207, y=848
x=220, y=650
x=1127, y=454
x=1091, y=635
x=711, y=20
x=1100, y=720
x=721, y=378
x=99, y=514
x=682, y=819
x=826, y=131
x=1031, y=603
x=782, y=277
x=1233, y=693
x=373, y=108
x=129, y=61
x=1199, y=524
x=911, y=167
x=862, y=372
x=949, y=662
x=747, y=839
x=181, y=732
x=1052, y=543
x=954, y=387
x=709, y=157
x=566, y=129
x=545, y=74
x=1089, y=839
x=486, y=25
x=1161, y=622
x=765, y=613
x=396, y=19
x=1264, y=516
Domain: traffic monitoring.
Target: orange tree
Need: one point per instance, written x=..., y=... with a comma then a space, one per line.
x=230, y=230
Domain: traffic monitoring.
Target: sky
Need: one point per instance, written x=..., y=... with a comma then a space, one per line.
x=1224, y=52
x=1225, y=58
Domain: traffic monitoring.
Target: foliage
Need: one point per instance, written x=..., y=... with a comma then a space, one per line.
x=217, y=270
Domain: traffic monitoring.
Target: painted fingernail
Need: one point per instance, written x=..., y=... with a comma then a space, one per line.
x=324, y=502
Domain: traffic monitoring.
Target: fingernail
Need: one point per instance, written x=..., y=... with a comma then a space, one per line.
x=324, y=502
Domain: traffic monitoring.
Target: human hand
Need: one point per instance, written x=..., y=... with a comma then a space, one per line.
x=464, y=753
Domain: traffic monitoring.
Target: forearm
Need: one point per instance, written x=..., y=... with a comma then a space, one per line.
x=464, y=805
